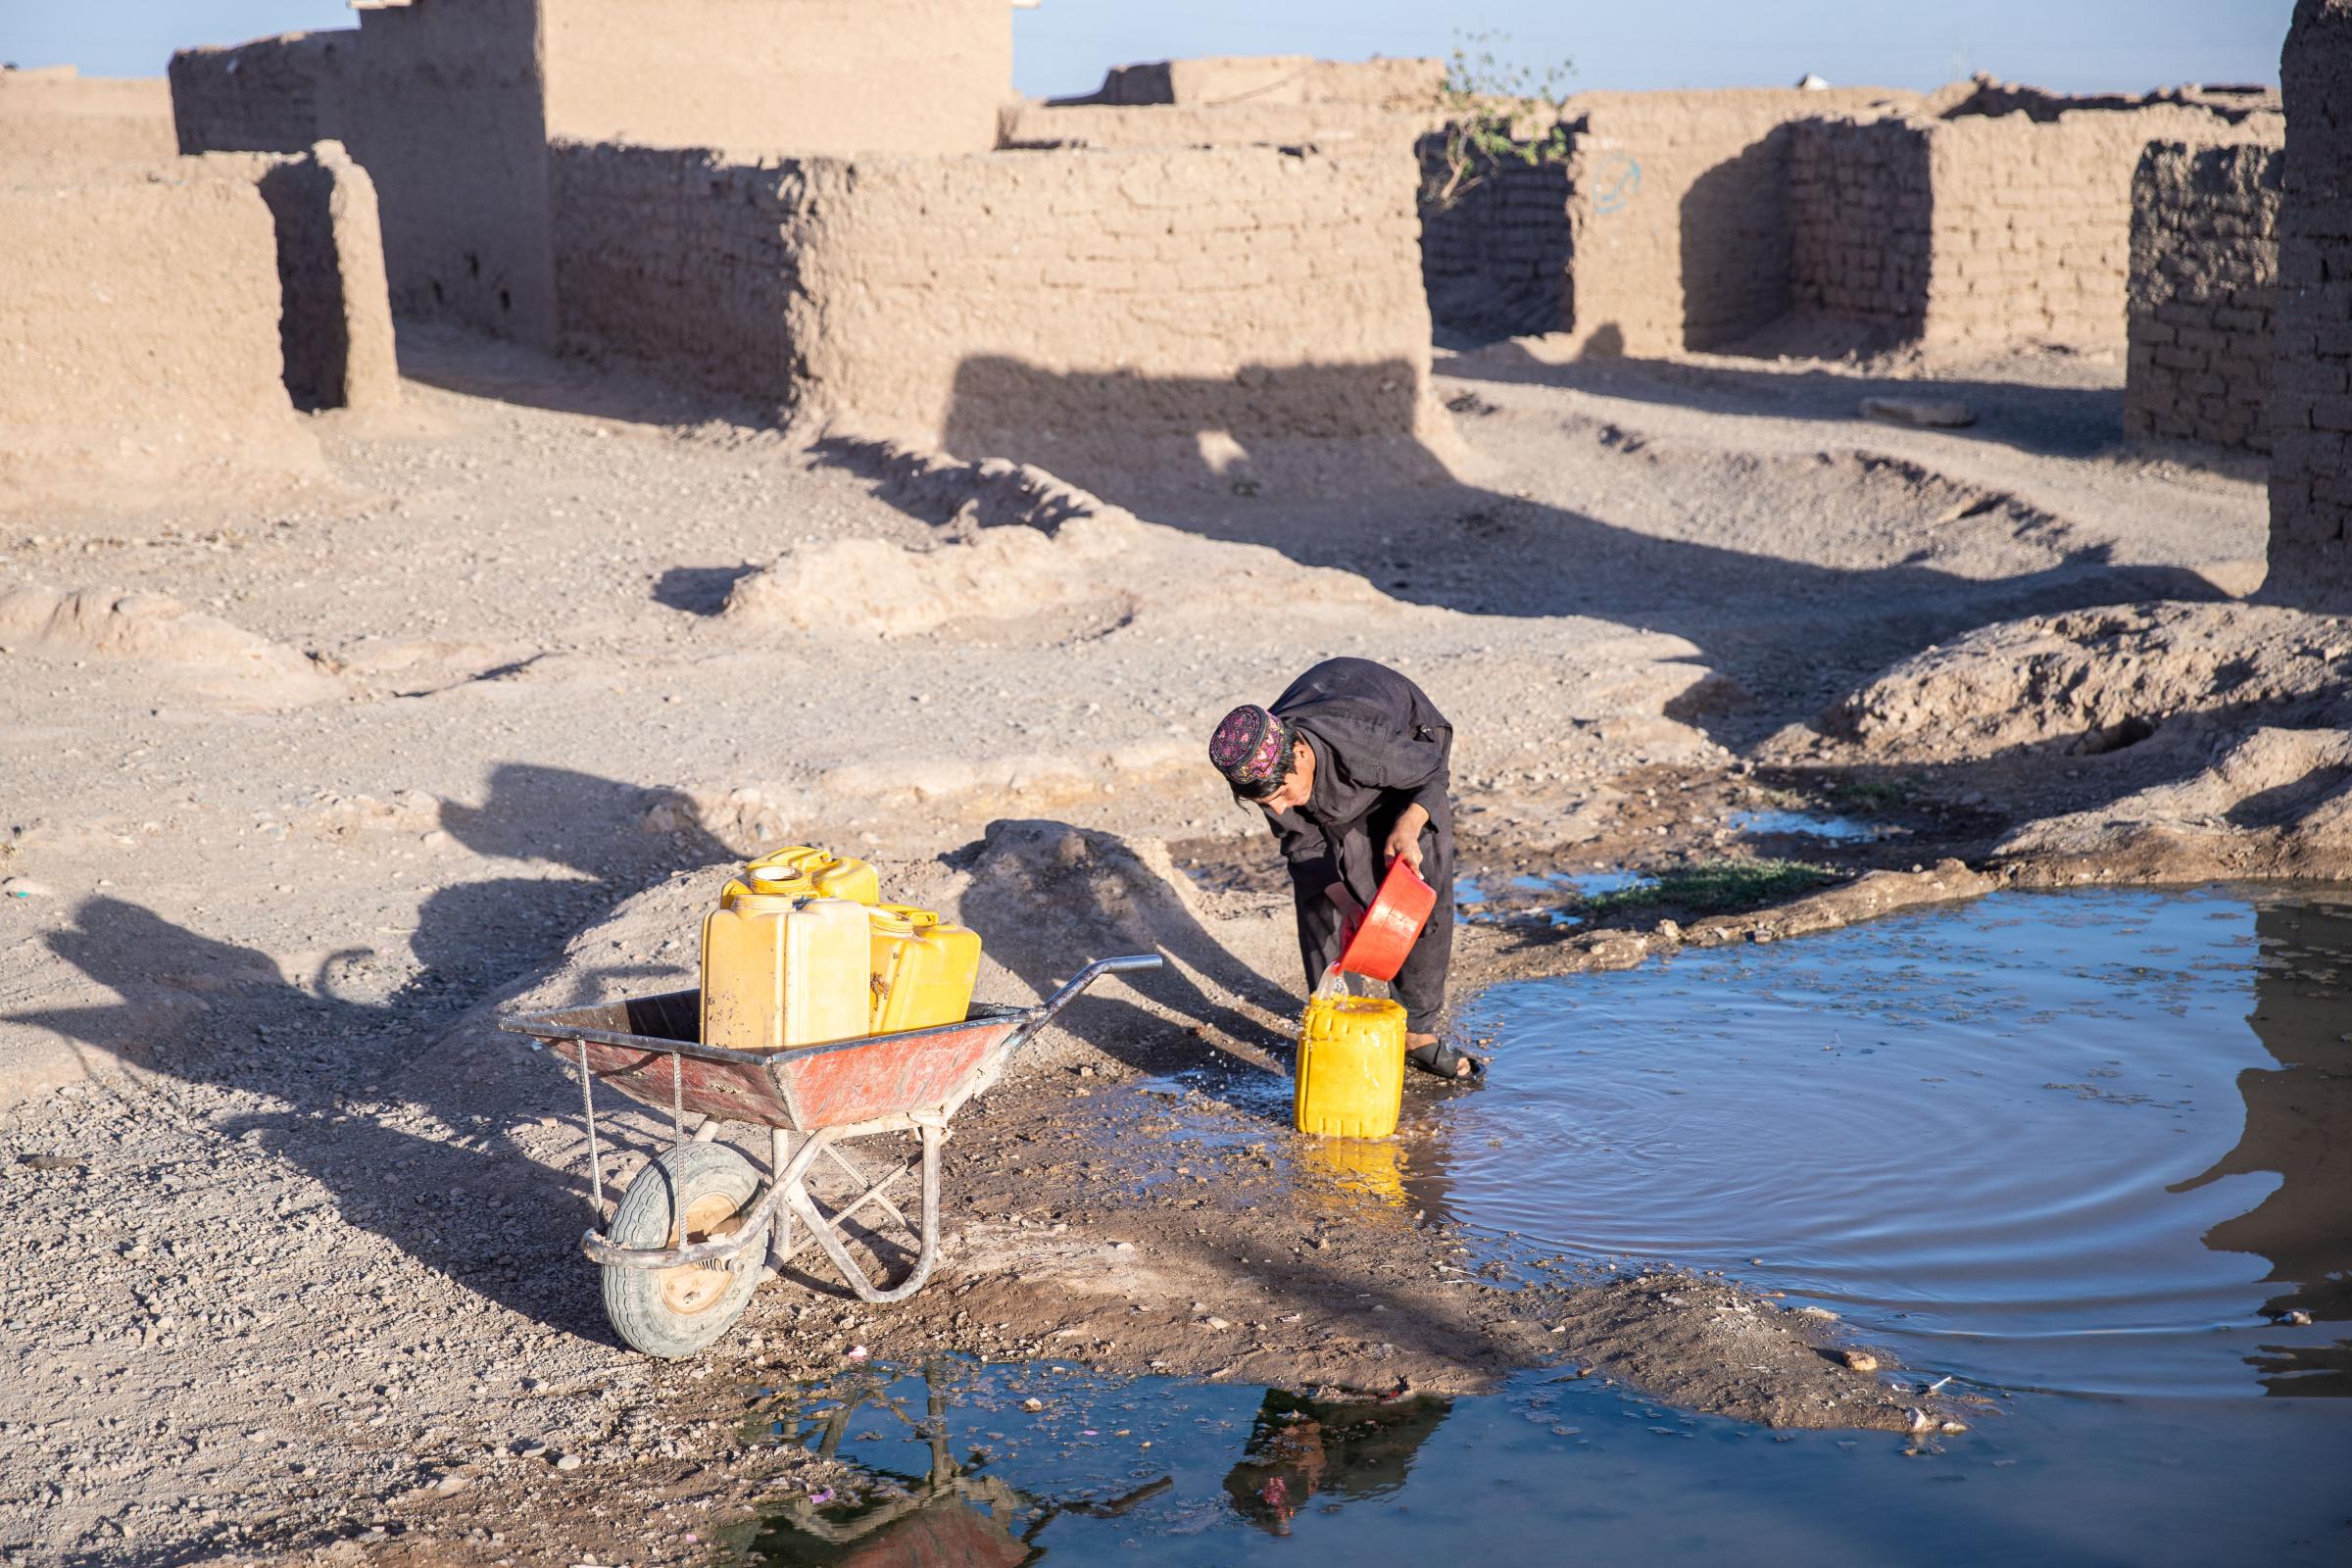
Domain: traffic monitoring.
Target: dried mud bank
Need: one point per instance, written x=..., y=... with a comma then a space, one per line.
x=2160, y=742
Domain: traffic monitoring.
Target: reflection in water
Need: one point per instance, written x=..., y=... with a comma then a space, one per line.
x=2299, y=1125
x=1804, y=824
x=1002, y=1465
x=1366, y=1167
x=1959, y=1125
x=1553, y=898
x=1351, y=1449
x=950, y=1515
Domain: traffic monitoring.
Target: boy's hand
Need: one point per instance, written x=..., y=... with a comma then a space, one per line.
x=1404, y=839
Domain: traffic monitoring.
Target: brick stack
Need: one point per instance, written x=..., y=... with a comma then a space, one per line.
x=2204, y=275
x=2310, y=455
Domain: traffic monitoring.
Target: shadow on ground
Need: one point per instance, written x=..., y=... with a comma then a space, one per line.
x=1051, y=898
x=456, y=360
x=1477, y=551
x=2058, y=421
x=335, y=1073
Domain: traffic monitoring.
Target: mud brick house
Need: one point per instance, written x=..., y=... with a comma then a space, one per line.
x=455, y=108
x=805, y=202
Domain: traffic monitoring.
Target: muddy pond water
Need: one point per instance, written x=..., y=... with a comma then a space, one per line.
x=2092, y=1142
x=2090, y=1154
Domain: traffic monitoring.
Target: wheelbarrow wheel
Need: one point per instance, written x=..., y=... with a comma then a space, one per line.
x=688, y=1195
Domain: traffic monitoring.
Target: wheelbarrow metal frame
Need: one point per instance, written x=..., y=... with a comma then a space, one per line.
x=815, y=1097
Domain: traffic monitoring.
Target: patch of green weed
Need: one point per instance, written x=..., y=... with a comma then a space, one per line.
x=1717, y=887
x=1873, y=794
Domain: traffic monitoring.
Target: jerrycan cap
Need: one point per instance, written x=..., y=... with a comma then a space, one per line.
x=776, y=873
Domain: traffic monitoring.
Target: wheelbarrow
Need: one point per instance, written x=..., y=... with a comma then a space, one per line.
x=683, y=1249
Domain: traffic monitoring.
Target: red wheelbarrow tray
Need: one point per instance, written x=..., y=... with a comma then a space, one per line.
x=813, y=1096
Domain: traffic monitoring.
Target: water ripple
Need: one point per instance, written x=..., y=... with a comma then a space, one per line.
x=2019, y=1130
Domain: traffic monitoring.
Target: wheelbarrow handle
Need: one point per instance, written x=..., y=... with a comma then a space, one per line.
x=1087, y=977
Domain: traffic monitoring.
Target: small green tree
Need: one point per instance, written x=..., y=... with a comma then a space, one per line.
x=1486, y=100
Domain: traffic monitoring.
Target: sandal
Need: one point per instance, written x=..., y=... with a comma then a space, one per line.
x=1443, y=1060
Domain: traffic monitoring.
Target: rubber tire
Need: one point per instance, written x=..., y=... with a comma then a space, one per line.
x=634, y=1301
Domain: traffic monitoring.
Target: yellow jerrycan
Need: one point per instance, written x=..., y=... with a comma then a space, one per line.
x=802, y=872
x=923, y=970
x=1350, y=1067
x=783, y=972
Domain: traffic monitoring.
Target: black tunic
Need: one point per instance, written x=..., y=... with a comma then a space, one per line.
x=1380, y=745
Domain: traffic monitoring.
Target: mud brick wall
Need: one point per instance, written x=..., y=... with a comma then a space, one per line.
x=778, y=79
x=1254, y=291
x=2203, y=286
x=2311, y=452
x=139, y=337
x=335, y=311
x=680, y=259
x=1037, y=127
x=61, y=121
x=1221, y=79
x=1861, y=218
x=1494, y=255
x=1981, y=232
x=273, y=95
x=1983, y=95
x=442, y=106
x=1680, y=218
x=1247, y=290
x=2031, y=231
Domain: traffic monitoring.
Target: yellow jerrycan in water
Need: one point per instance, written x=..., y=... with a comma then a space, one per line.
x=1350, y=1067
x=803, y=872
x=923, y=969
x=779, y=973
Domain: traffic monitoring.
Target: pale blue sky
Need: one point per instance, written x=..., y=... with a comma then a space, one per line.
x=1064, y=45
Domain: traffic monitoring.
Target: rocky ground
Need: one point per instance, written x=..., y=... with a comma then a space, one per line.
x=303, y=794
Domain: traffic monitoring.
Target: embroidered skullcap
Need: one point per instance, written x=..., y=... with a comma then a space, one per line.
x=1248, y=748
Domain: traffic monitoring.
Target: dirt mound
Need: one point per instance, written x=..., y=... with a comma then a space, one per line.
x=1016, y=541
x=1022, y=557
x=869, y=587
x=2212, y=739
x=2275, y=803
x=747, y=819
x=2094, y=681
x=200, y=652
